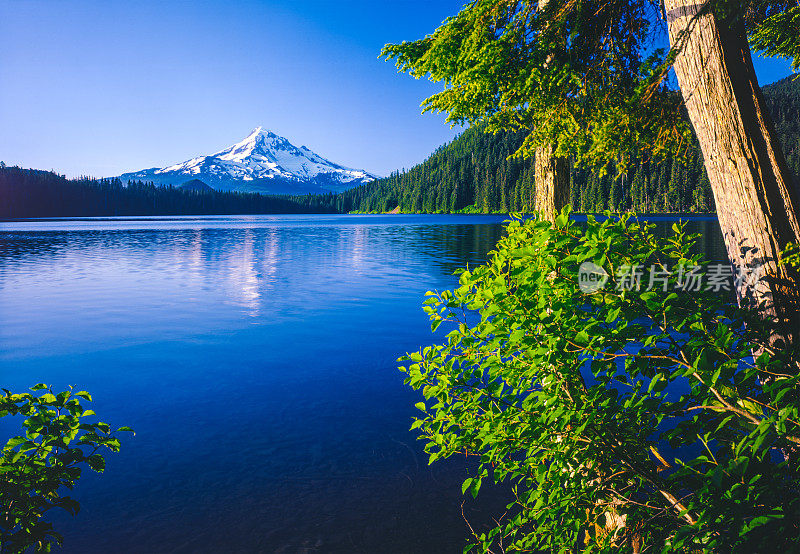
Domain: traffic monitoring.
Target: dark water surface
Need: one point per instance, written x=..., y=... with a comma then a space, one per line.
x=255, y=357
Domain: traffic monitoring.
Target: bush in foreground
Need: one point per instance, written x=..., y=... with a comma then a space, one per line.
x=628, y=418
x=57, y=444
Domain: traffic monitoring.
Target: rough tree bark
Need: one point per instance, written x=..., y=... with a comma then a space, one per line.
x=552, y=182
x=757, y=202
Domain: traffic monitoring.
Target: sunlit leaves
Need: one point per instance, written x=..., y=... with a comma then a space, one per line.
x=57, y=442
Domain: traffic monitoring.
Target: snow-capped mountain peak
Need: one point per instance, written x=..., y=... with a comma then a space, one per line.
x=260, y=138
x=262, y=162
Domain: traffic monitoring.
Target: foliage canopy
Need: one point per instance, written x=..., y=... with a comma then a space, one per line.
x=584, y=76
x=577, y=76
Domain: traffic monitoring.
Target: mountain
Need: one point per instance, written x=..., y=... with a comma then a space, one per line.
x=196, y=185
x=263, y=162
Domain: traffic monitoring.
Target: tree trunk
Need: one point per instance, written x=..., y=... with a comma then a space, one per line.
x=757, y=203
x=552, y=183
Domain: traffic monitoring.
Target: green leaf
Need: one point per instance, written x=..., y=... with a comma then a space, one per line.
x=96, y=462
x=85, y=395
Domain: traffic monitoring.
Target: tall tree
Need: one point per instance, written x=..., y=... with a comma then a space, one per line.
x=551, y=174
x=756, y=200
x=548, y=69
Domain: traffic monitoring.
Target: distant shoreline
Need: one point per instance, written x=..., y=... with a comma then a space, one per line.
x=147, y=217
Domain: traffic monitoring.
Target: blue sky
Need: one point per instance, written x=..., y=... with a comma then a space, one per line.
x=100, y=88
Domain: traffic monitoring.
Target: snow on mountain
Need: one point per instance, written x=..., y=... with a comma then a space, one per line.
x=262, y=162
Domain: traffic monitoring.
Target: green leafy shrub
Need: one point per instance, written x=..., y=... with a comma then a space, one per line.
x=621, y=419
x=56, y=445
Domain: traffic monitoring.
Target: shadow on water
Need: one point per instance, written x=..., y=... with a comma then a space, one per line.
x=255, y=357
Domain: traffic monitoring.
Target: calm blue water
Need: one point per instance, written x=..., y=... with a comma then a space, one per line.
x=255, y=357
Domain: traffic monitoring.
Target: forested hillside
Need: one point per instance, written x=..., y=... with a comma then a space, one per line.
x=34, y=193
x=474, y=173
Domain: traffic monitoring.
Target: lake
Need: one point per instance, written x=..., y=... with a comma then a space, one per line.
x=255, y=356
